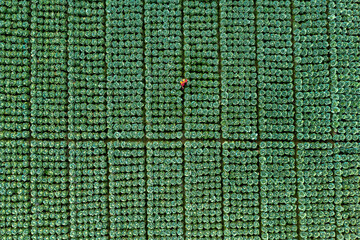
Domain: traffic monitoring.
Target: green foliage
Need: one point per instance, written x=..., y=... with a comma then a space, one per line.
x=275, y=64
x=313, y=99
x=88, y=190
x=14, y=70
x=49, y=185
x=163, y=52
x=164, y=171
x=49, y=92
x=278, y=190
x=347, y=180
x=201, y=61
x=238, y=71
x=316, y=190
x=127, y=190
x=203, y=194
x=15, y=204
x=344, y=75
x=86, y=66
x=269, y=120
x=241, y=212
x=124, y=60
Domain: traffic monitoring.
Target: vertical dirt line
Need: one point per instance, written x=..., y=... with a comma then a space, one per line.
x=257, y=74
x=67, y=73
x=67, y=156
x=108, y=188
x=183, y=189
x=106, y=110
x=332, y=83
x=105, y=66
x=221, y=139
x=295, y=140
x=183, y=139
x=67, y=108
x=219, y=66
x=67, y=70
x=146, y=189
x=258, y=141
x=30, y=71
x=259, y=186
x=143, y=72
x=29, y=139
x=144, y=139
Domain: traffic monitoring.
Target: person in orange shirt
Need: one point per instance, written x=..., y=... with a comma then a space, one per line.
x=183, y=83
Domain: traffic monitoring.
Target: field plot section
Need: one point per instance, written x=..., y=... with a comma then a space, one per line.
x=344, y=28
x=164, y=167
x=163, y=64
x=278, y=190
x=15, y=214
x=316, y=187
x=275, y=70
x=15, y=70
x=88, y=190
x=50, y=215
x=312, y=71
x=238, y=70
x=125, y=69
x=49, y=82
x=347, y=192
x=202, y=97
x=203, y=195
x=241, y=198
x=127, y=190
x=86, y=69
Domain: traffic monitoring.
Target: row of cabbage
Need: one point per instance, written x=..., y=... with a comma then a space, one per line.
x=238, y=70
x=275, y=190
x=15, y=69
x=201, y=66
x=344, y=28
x=125, y=69
x=256, y=69
x=49, y=68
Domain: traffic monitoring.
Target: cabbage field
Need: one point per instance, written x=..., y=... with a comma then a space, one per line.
x=99, y=141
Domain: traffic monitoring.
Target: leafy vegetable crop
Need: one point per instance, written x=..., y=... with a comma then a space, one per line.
x=100, y=137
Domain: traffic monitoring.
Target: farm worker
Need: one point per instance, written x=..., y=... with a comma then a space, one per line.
x=183, y=83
